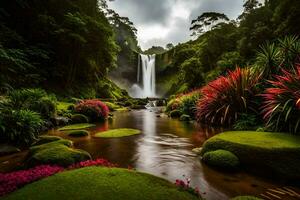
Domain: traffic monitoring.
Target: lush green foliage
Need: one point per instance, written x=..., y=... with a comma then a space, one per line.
x=221, y=159
x=107, y=183
x=76, y=127
x=227, y=97
x=19, y=126
x=35, y=37
x=266, y=152
x=185, y=103
x=79, y=118
x=36, y=100
x=281, y=107
x=247, y=122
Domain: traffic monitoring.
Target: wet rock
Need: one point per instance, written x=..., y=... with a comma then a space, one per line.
x=197, y=150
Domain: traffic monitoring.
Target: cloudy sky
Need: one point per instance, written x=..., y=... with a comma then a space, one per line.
x=163, y=21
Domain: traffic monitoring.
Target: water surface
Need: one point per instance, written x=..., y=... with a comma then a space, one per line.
x=165, y=149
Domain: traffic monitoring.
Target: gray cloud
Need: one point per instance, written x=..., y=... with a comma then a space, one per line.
x=163, y=21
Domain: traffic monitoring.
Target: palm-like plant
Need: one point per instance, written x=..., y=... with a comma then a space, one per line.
x=273, y=57
x=225, y=98
x=281, y=108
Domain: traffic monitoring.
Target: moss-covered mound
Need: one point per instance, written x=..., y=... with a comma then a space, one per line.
x=100, y=184
x=76, y=127
x=122, y=132
x=46, y=139
x=222, y=159
x=78, y=133
x=56, y=153
x=269, y=153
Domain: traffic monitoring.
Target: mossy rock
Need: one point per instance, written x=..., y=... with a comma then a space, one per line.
x=55, y=153
x=175, y=114
x=221, y=159
x=76, y=127
x=99, y=183
x=6, y=149
x=273, y=154
x=246, y=198
x=79, y=119
x=115, y=133
x=46, y=139
x=112, y=106
x=185, y=118
x=78, y=133
x=67, y=143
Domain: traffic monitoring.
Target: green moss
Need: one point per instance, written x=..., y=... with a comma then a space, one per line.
x=78, y=133
x=63, y=106
x=112, y=106
x=175, y=113
x=101, y=183
x=55, y=153
x=67, y=143
x=122, y=132
x=46, y=139
x=276, y=154
x=221, y=159
x=76, y=126
x=79, y=118
x=246, y=198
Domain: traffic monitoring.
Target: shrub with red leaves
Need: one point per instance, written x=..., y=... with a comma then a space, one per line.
x=225, y=98
x=9, y=182
x=94, y=109
x=281, y=107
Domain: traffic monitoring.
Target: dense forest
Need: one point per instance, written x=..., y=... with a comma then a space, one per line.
x=64, y=46
x=222, y=44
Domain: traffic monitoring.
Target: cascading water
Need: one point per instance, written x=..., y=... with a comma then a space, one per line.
x=146, y=68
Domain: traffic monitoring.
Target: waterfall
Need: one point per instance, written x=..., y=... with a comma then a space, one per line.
x=146, y=68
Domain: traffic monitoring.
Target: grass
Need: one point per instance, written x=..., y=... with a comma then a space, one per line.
x=63, y=106
x=57, y=153
x=275, y=154
x=76, y=127
x=221, y=159
x=99, y=183
x=115, y=133
x=78, y=133
x=112, y=106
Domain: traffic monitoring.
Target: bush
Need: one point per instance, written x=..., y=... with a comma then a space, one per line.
x=185, y=118
x=35, y=100
x=175, y=113
x=79, y=118
x=225, y=98
x=20, y=126
x=222, y=159
x=186, y=103
x=246, y=122
x=281, y=107
x=94, y=109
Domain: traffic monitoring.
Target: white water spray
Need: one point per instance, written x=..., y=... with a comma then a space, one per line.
x=146, y=66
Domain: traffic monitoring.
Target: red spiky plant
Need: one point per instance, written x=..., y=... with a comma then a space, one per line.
x=225, y=98
x=281, y=107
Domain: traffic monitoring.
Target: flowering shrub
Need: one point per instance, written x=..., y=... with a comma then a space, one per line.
x=185, y=103
x=225, y=98
x=14, y=180
x=185, y=185
x=94, y=109
x=98, y=162
x=10, y=182
x=281, y=108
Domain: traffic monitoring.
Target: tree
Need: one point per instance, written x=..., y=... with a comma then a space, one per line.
x=169, y=46
x=206, y=22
